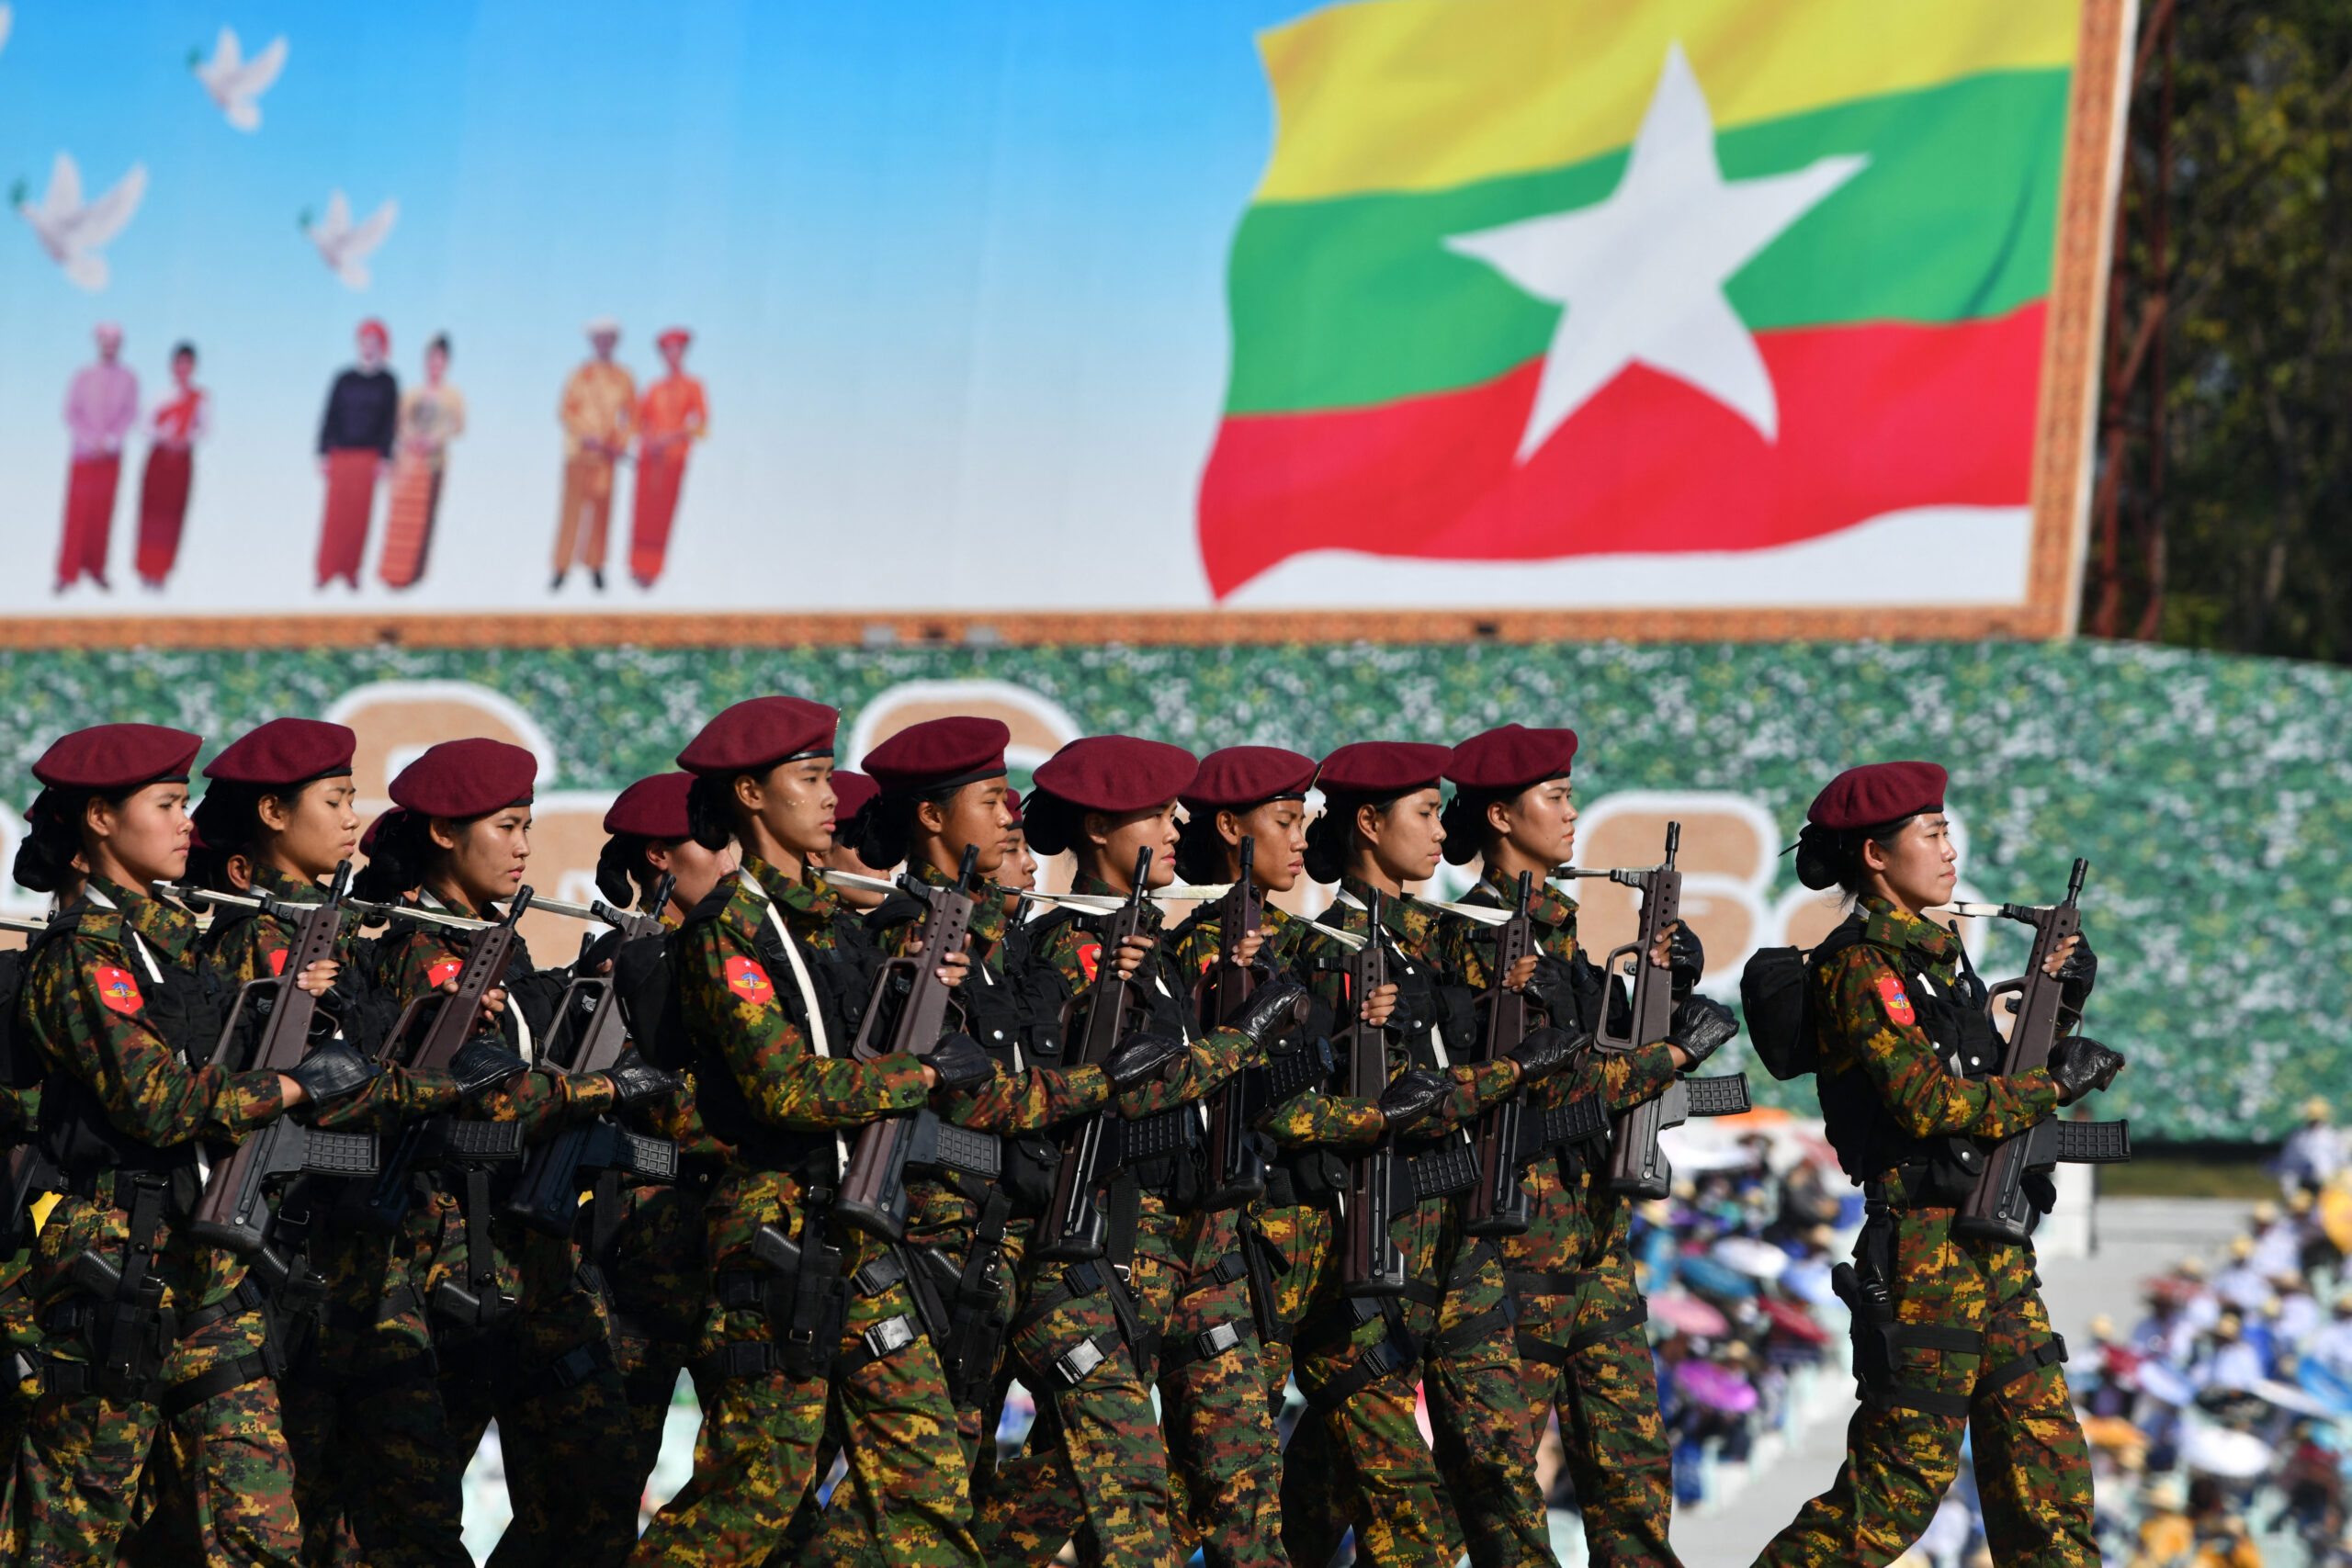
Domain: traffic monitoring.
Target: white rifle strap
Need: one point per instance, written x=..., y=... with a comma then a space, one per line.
x=801, y=982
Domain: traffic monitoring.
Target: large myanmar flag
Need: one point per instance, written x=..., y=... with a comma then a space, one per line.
x=1533, y=279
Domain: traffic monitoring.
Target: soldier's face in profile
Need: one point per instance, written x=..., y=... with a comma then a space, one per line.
x=1920, y=869
x=1539, y=821
x=146, y=836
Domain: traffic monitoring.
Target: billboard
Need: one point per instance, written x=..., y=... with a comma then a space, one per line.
x=536, y=323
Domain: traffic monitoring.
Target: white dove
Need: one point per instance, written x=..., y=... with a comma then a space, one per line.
x=344, y=246
x=236, y=82
x=72, y=230
x=8, y=16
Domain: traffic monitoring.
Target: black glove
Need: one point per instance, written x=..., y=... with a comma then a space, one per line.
x=1700, y=1025
x=1544, y=1051
x=961, y=1063
x=1141, y=1058
x=1273, y=1008
x=2078, y=974
x=482, y=1063
x=2078, y=1066
x=1412, y=1096
x=331, y=1070
x=636, y=1081
x=1686, y=958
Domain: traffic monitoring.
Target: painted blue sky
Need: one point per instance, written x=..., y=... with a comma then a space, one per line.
x=956, y=269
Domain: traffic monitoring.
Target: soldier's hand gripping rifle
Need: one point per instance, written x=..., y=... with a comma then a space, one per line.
x=233, y=1212
x=1497, y=1205
x=430, y=1033
x=2000, y=1208
x=1236, y=1166
x=589, y=1037
x=1371, y=1264
x=1637, y=1166
x=873, y=1195
x=1074, y=1229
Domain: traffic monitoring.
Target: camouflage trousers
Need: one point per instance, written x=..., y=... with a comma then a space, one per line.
x=2032, y=1468
x=1581, y=1350
x=97, y=1483
x=1095, y=1468
x=1361, y=1445
x=1223, y=1449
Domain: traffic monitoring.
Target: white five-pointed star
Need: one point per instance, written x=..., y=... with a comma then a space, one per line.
x=1639, y=276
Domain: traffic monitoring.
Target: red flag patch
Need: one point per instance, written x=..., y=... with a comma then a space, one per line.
x=1090, y=958
x=749, y=981
x=441, y=974
x=118, y=989
x=277, y=961
x=1898, y=1001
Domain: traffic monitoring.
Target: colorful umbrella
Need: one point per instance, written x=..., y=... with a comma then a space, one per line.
x=1793, y=1320
x=1688, y=1314
x=2219, y=1450
x=1717, y=1388
x=1757, y=1258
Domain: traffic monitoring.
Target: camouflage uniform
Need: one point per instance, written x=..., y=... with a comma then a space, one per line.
x=1096, y=1467
x=236, y=949
x=1477, y=1490
x=2004, y=1392
x=947, y=1212
x=1579, y=1336
x=95, y=1002
x=767, y=1089
x=1220, y=1410
x=545, y=1373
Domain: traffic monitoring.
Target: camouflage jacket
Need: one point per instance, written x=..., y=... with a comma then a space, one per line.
x=1410, y=930
x=235, y=952
x=1869, y=1026
x=1194, y=945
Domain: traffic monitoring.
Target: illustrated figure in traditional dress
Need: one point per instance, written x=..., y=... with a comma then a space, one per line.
x=431, y=416
x=100, y=406
x=598, y=408
x=355, y=439
x=173, y=430
x=671, y=418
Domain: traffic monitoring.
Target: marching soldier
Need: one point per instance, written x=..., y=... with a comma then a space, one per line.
x=1906, y=1078
x=1579, y=1327
x=154, y=1369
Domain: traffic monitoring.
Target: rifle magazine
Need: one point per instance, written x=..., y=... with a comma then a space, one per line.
x=1725, y=1096
x=2094, y=1143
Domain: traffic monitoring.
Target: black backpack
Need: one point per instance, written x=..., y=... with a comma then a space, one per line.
x=1776, y=1001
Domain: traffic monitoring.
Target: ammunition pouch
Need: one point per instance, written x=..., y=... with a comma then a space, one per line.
x=806, y=1298
x=129, y=1331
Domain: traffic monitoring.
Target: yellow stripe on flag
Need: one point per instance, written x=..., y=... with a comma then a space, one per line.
x=1423, y=94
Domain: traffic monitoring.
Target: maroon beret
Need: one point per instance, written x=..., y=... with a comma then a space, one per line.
x=1383, y=768
x=286, y=751
x=1511, y=757
x=367, y=838
x=853, y=792
x=939, y=753
x=466, y=778
x=1116, y=772
x=652, y=808
x=1234, y=778
x=118, y=756
x=1879, y=793
x=1012, y=804
x=756, y=735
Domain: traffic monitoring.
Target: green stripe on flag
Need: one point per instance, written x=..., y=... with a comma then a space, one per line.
x=1339, y=304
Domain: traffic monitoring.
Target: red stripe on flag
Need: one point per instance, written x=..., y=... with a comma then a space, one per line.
x=1873, y=419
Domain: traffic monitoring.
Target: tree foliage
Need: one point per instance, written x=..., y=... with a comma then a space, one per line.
x=2244, y=544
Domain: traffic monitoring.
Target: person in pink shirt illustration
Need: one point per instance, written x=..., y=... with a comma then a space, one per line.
x=100, y=407
x=173, y=430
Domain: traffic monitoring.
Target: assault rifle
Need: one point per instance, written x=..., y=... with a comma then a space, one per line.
x=1497, y=1205
x=232, y=1214
x=589, y=1036
x=431, y=1040
x=1074, y=1228
x=1370, y=1262
x=873, y=1195
x=1637, y=1166
x=1236, y=1166
x=1999, y=1208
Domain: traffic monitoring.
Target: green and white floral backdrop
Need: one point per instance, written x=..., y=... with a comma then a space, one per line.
x=2212, y=794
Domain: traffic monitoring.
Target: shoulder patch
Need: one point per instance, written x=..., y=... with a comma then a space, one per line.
x=277, y=961
x=1090, y=958
x=118, y=989
x=1898, y=1002
x=746, y=979
x=441, y=974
